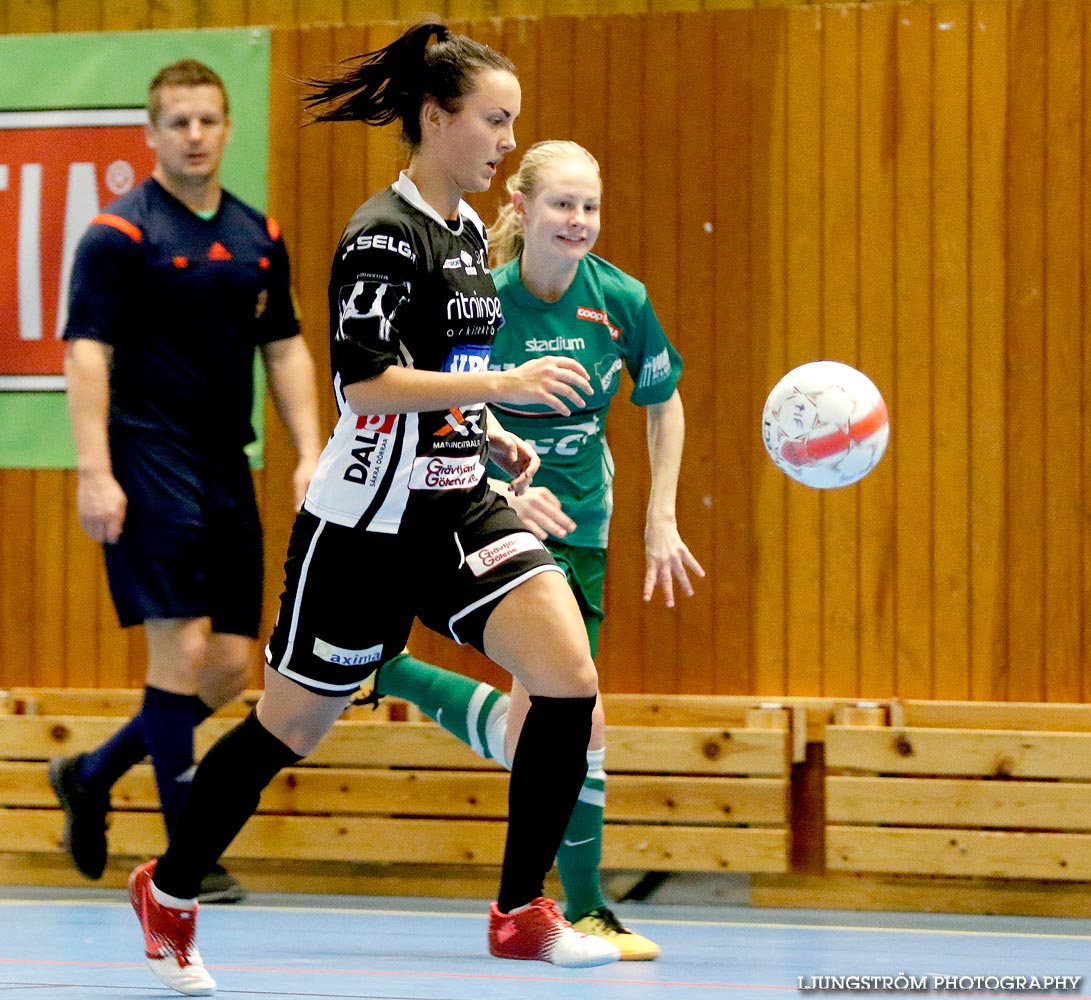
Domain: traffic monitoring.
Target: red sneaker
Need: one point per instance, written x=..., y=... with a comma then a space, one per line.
x=169, y=938
x=540, y=933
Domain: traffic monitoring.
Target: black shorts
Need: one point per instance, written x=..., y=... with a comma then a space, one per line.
x=351, y=596
x=191, y=543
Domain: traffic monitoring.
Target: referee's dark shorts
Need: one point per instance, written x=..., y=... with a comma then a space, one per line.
x=191, y=544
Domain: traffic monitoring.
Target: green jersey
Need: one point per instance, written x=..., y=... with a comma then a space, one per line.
x=604, y=320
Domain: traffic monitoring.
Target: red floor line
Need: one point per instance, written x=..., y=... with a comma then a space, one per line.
x=274, y=970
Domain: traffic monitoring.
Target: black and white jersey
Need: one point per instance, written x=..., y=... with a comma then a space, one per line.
x=406, y=288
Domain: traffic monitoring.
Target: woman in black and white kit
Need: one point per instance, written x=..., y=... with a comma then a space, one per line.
x=399, y=521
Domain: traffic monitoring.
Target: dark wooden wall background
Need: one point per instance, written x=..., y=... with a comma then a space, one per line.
x=904, y=187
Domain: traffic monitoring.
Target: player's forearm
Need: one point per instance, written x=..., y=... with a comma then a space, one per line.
x=410, y=390
x=494, y=425
x=290, y=370
x=666, y=428
x=87, y=377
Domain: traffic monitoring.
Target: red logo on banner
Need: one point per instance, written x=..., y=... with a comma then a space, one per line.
x=57, y=170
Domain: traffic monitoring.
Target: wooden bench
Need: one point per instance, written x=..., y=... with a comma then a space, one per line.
x=696, y=784
x=985, y=790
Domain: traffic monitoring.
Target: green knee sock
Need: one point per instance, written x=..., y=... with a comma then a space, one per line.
x=474, y=712
x=580, y=854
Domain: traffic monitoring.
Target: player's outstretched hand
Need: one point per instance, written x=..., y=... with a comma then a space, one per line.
x=557, y=382
x=667, y=559
x=541, y=511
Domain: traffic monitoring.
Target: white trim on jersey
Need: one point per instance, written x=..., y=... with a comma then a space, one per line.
x=348, y=488
x=499, y=592
x=406, y=189
x=293, y=626
x=311, y=682
x=388, y=518
x=295, y=606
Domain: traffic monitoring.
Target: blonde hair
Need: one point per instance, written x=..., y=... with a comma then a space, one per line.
x=506, y=234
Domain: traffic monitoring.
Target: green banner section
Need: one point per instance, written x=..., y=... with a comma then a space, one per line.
x=112, y=70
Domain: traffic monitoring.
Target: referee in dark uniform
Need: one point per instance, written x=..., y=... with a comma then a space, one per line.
x=174, y=287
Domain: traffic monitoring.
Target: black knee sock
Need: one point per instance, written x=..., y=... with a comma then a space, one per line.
x=223, y=796
x=100, y=769
x=546, y=775
x=168, y=720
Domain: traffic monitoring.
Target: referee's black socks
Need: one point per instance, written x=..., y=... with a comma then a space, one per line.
x=224, y=795
x=546, y=775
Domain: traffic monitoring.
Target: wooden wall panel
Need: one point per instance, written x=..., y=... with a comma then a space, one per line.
x=47, y=607
x=911, y=390
x=1082, y=539
x=877, y=111
x=660, y=270
x=1065, y=398
x=1024, y=402
x=17, y=569
x=950, y=417
x=722, y=420
x=767, y=335
x=988, y=650
x=696, y=173
x=803, y=328
x=906, y=187
x=623, y=185
x=840, y=586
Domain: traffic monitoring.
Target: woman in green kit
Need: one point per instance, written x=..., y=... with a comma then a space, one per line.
x=558, y=298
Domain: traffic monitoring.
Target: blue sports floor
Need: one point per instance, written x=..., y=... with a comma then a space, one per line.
x=85, y=945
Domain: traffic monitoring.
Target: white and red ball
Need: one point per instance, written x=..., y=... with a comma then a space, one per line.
x=825, y=424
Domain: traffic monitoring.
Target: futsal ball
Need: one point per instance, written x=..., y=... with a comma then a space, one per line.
x=825, y=424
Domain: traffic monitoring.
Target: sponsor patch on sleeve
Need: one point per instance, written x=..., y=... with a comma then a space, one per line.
x=486, y=559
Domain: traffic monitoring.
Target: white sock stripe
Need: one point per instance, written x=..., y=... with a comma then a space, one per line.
x=596, y=763
x=496, y=731
x=593, y=797
x=473, y=711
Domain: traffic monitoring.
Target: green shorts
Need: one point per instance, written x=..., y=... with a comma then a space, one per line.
x=585, y=570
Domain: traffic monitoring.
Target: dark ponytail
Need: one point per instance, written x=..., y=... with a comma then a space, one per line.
x=392, y=83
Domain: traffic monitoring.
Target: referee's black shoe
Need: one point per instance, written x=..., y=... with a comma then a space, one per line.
x=220, y=886
x=84, y=817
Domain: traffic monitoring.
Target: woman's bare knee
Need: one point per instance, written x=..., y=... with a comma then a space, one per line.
x=297, y=717
x=536, y=633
